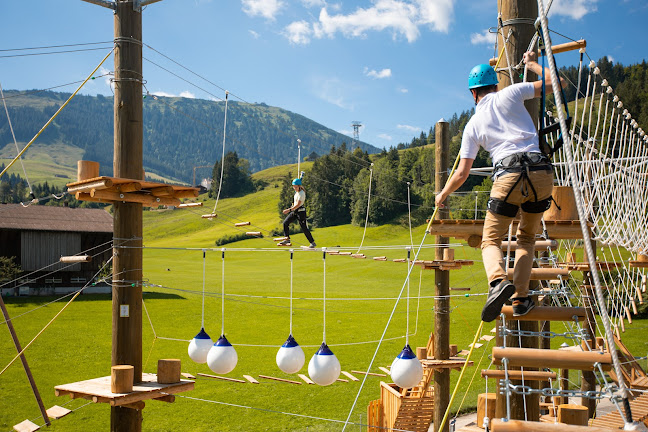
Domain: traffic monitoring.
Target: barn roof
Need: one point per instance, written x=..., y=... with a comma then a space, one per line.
x=49, y=218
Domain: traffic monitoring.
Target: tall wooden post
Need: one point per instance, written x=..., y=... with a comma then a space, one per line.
x=127, y=231
x=588, y=381
x=442, y=282
x=519, y=34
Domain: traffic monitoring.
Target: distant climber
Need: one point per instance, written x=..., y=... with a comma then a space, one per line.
x=297, y=211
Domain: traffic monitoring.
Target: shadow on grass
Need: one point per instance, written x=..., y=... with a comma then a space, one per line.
x=21, y=301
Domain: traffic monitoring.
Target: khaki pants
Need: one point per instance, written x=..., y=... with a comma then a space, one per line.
x=496, y=226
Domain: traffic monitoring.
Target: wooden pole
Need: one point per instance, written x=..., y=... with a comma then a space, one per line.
x=442, y=283
x=23, y=359
x=518, y=33
x=127, y=225
x=588, y=381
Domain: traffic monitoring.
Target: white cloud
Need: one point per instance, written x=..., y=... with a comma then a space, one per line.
x=610, y=58
x=385, y=136
x=107, y=77
x=333, y=91
x=384, y=73
x=575, y=9
x=403, y=18
x=313, y=3
x=298, y=32
x=254, y=34
x=162, y=94
x=409, y=128
x=267, y=9
x=184, y=94
x=187, y=94
x=403, y=90
x=486, y=37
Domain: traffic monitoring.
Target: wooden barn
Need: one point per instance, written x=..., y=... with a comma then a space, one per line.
x=38, y=236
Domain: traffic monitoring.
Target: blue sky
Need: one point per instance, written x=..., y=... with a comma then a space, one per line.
x=397, y=66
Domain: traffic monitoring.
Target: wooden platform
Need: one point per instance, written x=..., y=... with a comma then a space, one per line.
x=585, y=266
x=98, y=390
x=451, y=363
x=613, y=420
x=465, y=228
x=443, y=265
x=113, y=189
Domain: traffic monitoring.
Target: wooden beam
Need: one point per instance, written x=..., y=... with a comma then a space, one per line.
x=76, y=259
x=280, y=379
x=251, y=379
x=146, y=200
x=539, y=244
x=221, y=378
x=129, y=187
x=516, y=374
x=529, y=357
x=547, y=313
x=467, y=228
x=191, y=204
x=240, y=224
x=556, y=49
x=87, y=187
x=368, y=373
x=531, y=426
x=306, y=379
x=543, y=273
x=187, y=193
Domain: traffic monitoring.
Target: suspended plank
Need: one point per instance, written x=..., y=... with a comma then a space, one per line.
x=56, y=412
x=192, y=204
x=26, y=426
x=253, y=233
x=306, y=379
x=251, y=379
x=280, y=379
x=76, y=259
x=221, y=378
x=351, y=377
x=209, y=216
x=240, y=224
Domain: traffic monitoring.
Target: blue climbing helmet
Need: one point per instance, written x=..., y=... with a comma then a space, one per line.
x=482, y=75
x=296, y=182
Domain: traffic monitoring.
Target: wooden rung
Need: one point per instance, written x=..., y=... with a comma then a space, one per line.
x=240, y=224
x=380, y=258
x=186, y=193
x=358, y=256
x=384, y=369
x=543, y=273
x=333, y=252
x=351, y=377
x=342, y=380
x=76, y=259
x=529, y=426
x=345, y=253
x=209, y=216
x=368, y=373
x=87, y=187
x=400, y=260
x=539, y=245
x=251, y=379
x=26, y=426
x=191, y=204
x=547, y=313
x=487, y=338
x=166, y=398
x=129, y=187
x=221, y=378
x=529, y=357
x=188, y=375
x=516, y=374
x=56, y=412
x=280, y=379
x=459, y=288
x=476, y=344
x=278, y=239
x=306, y=379
x=253, y=233
x=133, y=197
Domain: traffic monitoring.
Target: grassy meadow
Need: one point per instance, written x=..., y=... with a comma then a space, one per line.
x=361, y=295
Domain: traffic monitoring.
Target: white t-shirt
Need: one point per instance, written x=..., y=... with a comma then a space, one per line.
x=501, y=125
x=299, y=196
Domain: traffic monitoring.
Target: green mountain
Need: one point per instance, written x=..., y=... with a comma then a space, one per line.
x=179, y=133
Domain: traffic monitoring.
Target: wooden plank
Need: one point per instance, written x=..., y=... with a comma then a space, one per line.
x=342, y=380
x=306, y=379
x=56, y=412
x=221, y=378
x=188, y=375
x=487, y=338
x=547, y=313
x=240, y=224
x=384, y=369
x=476, y=344
x=280, y=379
x=191, y=204
x=251, y=379
x=351, y=377
x=380, y=258
x=26, y=426
x=209, y=216
x=368, y=373
x=253, y=233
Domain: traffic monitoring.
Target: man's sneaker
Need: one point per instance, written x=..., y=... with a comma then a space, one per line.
x=497, y=296
x=522, y=305
x=285, y=242
x=312, y=245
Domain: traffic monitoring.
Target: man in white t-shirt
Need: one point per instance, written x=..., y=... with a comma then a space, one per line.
x=297, y=212
x=523, y=178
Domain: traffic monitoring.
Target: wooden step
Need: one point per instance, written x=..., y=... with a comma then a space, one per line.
x=547, y=313
x=516, y=374
x=543, y=273
x=530, y=357
x=529, y=426
x=539, y=245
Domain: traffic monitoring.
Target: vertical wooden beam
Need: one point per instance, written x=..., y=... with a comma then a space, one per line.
x=23, y=359
x=521, y=33
x=127, y=226
x=588, y=381
x=442, y=283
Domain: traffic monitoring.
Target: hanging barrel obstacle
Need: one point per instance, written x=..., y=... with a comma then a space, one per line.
x=240, y=224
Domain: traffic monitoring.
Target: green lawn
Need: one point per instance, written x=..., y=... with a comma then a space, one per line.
x=361, y=297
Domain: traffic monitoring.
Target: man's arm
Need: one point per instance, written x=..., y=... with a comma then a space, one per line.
x=532, y=64
x=455, y=182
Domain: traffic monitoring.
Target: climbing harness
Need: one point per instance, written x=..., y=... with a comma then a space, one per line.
x=522, y=163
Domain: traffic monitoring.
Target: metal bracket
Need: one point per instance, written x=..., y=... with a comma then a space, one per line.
x=105, y=3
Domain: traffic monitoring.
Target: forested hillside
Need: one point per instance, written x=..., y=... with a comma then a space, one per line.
x=179, y=133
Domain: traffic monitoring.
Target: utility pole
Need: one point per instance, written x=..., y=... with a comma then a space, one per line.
x=516, y=21
x=442, y=283
x=127, y=219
